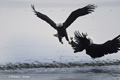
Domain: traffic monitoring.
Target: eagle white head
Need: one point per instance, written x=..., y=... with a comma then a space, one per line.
x=59, y=24
x=91, y=41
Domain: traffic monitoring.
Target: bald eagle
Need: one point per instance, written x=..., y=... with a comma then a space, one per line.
x=94, y=50
x=61, y=27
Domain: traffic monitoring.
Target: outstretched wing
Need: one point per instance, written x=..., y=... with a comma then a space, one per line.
x=112, y=46
x=109, y=47
x=44, y=17
x=81, y=42
x=79, y=12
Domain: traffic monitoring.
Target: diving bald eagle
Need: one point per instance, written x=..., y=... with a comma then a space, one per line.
x=94, y=50
x=61, y=27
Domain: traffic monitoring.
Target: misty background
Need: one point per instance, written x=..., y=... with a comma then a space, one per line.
x=25, y=38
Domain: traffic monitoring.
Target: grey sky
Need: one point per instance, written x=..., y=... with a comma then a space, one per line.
x=56, y=3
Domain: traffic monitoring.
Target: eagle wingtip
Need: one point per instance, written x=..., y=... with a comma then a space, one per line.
x=33, y=8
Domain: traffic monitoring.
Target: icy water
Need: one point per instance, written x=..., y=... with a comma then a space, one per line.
x=97, y=70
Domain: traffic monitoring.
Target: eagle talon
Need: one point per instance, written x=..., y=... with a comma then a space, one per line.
x=69, y=42
x=61, y=42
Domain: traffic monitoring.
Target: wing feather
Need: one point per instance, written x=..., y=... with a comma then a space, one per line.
x=81, y=42
x=109, y=47
x=95, y=50
x=79, y=12
x=44, y=17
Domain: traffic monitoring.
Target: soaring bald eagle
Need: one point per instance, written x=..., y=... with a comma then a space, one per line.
x=94, y=50
x=61, y=27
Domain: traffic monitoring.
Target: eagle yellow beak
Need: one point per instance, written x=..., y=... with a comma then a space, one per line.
x=71, y=38
x=88, y=38
x=59, y=25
